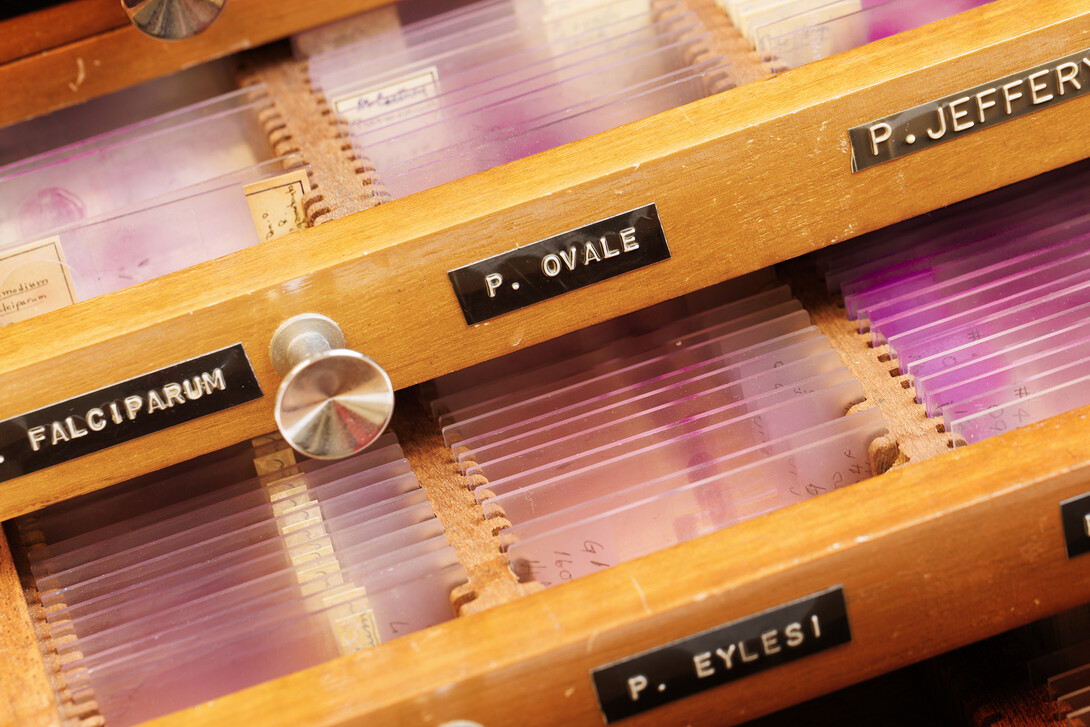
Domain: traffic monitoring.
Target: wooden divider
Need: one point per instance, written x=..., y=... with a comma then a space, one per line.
x=742, y=180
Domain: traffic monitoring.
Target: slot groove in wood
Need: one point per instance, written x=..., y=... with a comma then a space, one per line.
x=729, y=42
x=302, y=123
x=288, y=79
x=885, y=387
x=491, y=581
x=31, y=675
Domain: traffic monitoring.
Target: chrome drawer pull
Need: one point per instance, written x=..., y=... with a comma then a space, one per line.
x=332, y=402
x=172, y=19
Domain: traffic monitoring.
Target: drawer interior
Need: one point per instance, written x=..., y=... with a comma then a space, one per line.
x=344, y=184
x=342, y=267
x=913, y=438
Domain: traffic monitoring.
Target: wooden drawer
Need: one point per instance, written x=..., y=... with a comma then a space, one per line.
x=931, y=555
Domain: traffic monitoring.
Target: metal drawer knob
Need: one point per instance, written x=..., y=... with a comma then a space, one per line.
x=332, y=402
x=172, y=19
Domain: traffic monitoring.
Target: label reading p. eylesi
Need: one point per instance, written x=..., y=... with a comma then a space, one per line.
x=722, y=655
x=971, y=110
x=120, y=412
x=574, y=259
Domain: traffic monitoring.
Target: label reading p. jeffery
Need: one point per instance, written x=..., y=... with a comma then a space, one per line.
x=120, y=412
x=970, y=110
x=559, y=264
x=723, y=654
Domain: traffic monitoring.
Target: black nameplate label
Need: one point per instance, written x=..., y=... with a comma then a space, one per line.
x=118, y=413
x=977, y=108
x=721, y=655
x=1075, y=516
x=574, y=259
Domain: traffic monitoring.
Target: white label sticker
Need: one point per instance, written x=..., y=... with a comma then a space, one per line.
x=277, y=203
x=365, y=107
x=792, y=40
x=582, y=22
x=34, y=279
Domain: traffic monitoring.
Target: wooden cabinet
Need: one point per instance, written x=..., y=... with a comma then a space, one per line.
x=931, y=555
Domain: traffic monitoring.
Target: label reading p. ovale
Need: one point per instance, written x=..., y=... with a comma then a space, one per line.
x=723, y=654
x=126, y=410
x=559, y=264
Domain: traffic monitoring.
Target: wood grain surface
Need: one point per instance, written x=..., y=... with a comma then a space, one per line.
x=123, y=56
x=744, y=179
x=26, y=696
x=931, y=556
x=53, y=26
